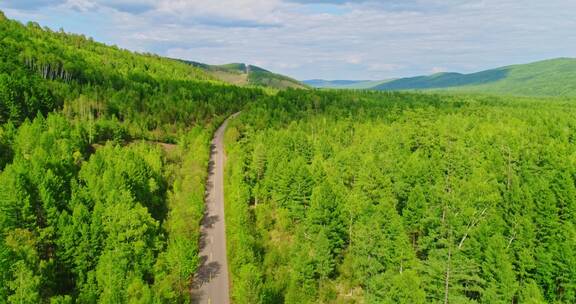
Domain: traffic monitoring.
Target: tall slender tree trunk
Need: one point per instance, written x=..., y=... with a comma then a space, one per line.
x=447, y=278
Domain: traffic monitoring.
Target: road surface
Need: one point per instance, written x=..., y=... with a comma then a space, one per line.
x=211, y=283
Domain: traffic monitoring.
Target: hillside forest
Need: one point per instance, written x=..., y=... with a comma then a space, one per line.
x=347, y=197
x=103, y=158
x=331, y=196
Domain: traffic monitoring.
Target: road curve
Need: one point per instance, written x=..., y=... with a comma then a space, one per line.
x=211, y=283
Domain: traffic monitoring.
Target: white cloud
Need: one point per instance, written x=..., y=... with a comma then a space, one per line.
x=81, y=5
x=354, y=59
x=360, y=39
x=241, y=9
x=436, y=70
x=283, y=65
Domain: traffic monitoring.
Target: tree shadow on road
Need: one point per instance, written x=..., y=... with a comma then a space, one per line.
x=207, y=223
x=209, y=185
x=206, y=272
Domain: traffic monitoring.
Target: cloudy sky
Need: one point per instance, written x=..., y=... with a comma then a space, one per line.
x=329, y=39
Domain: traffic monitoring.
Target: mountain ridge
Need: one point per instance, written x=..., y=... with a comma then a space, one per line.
x=550, y=77
x=246, y=74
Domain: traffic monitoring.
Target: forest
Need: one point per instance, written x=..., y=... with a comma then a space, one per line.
x=357, y=197
x=103, y=161
x=331, y=196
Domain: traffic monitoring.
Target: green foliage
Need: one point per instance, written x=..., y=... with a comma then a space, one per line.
x=331, y=197
x=151, y=96
x=361, y=197
x=115, y=225
x=24, y=286
x=92, y=210
x=177, y=264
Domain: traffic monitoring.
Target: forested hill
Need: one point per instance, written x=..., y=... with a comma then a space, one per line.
x=331, y=196
x=555, y=77
x=103, y=161
x=41, y=70
x=65, y=56
x=243, y=74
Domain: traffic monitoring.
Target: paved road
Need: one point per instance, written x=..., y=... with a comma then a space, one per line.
x=211, y=284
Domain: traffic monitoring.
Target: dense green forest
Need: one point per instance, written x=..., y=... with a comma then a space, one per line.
x=43, y=71
x=331, y=197
x=351, y=197
x=103, y=161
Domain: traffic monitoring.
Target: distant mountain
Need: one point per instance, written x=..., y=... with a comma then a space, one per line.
x=320, y=83
x=243, y=74
x=554, y=77
x=343, y=84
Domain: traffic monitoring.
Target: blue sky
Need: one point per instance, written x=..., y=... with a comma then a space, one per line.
x=329, y=39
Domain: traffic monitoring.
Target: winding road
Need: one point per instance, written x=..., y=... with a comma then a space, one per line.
x=211, y=283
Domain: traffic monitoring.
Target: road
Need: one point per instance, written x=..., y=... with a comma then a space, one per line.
x=211, y=283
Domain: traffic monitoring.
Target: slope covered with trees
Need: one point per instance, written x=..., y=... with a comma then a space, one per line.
x=248, y=75
x=103, y=160
x=555, y=77
x=332, y=197
x=44, y=70
x=348, y=197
